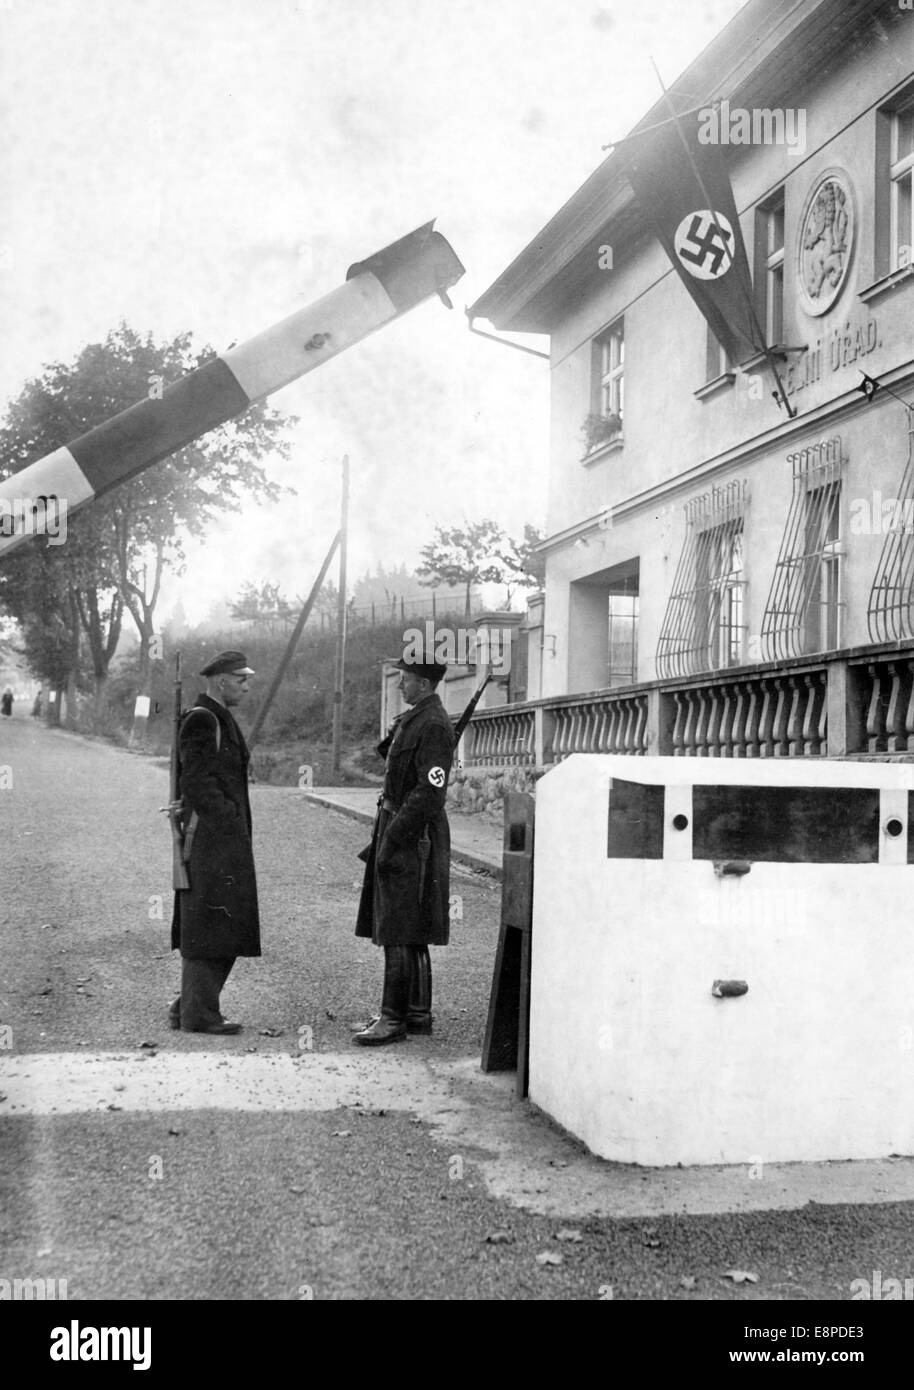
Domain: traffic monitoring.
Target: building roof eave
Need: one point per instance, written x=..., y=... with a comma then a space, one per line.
x=520, y=300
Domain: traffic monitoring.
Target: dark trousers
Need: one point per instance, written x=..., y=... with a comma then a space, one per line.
x=407, y=984
x=197, y=1006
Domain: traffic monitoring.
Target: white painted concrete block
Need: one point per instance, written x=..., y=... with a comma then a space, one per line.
x=629, y=1049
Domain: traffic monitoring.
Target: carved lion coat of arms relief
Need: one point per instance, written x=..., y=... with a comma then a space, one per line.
x=826, y=241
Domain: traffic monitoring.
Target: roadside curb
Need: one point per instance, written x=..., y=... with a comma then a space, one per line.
x=469, y=857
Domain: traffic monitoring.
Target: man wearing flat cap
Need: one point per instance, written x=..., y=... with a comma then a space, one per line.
x=405, y=894
x=216, y=919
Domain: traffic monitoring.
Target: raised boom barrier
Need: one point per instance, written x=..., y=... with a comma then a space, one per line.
x=377, y=290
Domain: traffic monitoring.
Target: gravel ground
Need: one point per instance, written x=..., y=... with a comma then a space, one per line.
x=339, y=1203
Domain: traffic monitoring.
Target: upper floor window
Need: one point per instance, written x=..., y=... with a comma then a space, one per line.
x=612, y=369
x=607, y=400
x=770, y=260
x=717, y=363
x=902, y=183
x=893, y=186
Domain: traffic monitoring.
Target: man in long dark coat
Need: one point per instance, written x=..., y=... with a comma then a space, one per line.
x=405, y=895
x=216, y=919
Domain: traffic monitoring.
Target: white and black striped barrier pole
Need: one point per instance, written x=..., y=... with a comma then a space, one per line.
x=377, y=290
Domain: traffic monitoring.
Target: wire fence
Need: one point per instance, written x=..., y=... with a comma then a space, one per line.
x=396, y=608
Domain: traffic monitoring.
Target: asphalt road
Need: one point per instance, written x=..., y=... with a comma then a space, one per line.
x=350, y=1196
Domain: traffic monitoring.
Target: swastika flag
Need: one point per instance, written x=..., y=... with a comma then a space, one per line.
x=695, y=220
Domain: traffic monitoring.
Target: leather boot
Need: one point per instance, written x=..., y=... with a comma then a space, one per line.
x=391, y=1026
x=419, y=1012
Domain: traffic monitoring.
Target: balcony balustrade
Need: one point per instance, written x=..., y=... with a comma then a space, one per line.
x=856, y=702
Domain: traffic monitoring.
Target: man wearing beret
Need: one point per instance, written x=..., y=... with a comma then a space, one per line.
x=405, y=894
x=216, y=919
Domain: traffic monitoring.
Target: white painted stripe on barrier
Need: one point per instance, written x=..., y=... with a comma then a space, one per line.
x=893, y=816
x=677, y=838
x=280, y=354
x=56, y=475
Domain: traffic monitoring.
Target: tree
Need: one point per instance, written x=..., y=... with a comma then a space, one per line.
x=118, y=549
x=464, y=555
x=524, y=565
x=263, y=607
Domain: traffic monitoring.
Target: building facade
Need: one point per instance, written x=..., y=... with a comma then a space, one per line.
x=723, y=578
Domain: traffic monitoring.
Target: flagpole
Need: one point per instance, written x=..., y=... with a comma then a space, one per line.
x=646, y=130
x=769, y=356
x=337, y=732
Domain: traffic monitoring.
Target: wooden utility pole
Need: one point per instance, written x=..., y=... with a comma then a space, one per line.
x=341, y=626
x=291, y=645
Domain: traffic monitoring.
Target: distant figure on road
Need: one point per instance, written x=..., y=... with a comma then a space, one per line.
x=217, y=918
x=6, y=701
x=405, y=894
x=37, y=707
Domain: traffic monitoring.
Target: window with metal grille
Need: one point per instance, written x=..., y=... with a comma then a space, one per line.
x=803, y=612
x=703, y=627
x=890, y=612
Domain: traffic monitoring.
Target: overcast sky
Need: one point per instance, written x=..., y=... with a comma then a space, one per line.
x=213, y=165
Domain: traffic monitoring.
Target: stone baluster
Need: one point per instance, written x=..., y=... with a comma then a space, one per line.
x=701, y=723
x=559, y=732
x=581, y=729
x=738, y=726
x=615, y=734
x=810, y=730
x=823, y=714
x=522, y=742
x=568, y=727
x=909, y=712
x=753, y=718
x=679, y=724
x=640, y=735
x=577, y=727
x=797, y=691
x=724, y=736
x=628, y=736
x=594, y=721
x=897, y=741
x=781, y=711
x=713, y=724
x=766, y=719
x=688, y=733
x=875, y=718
